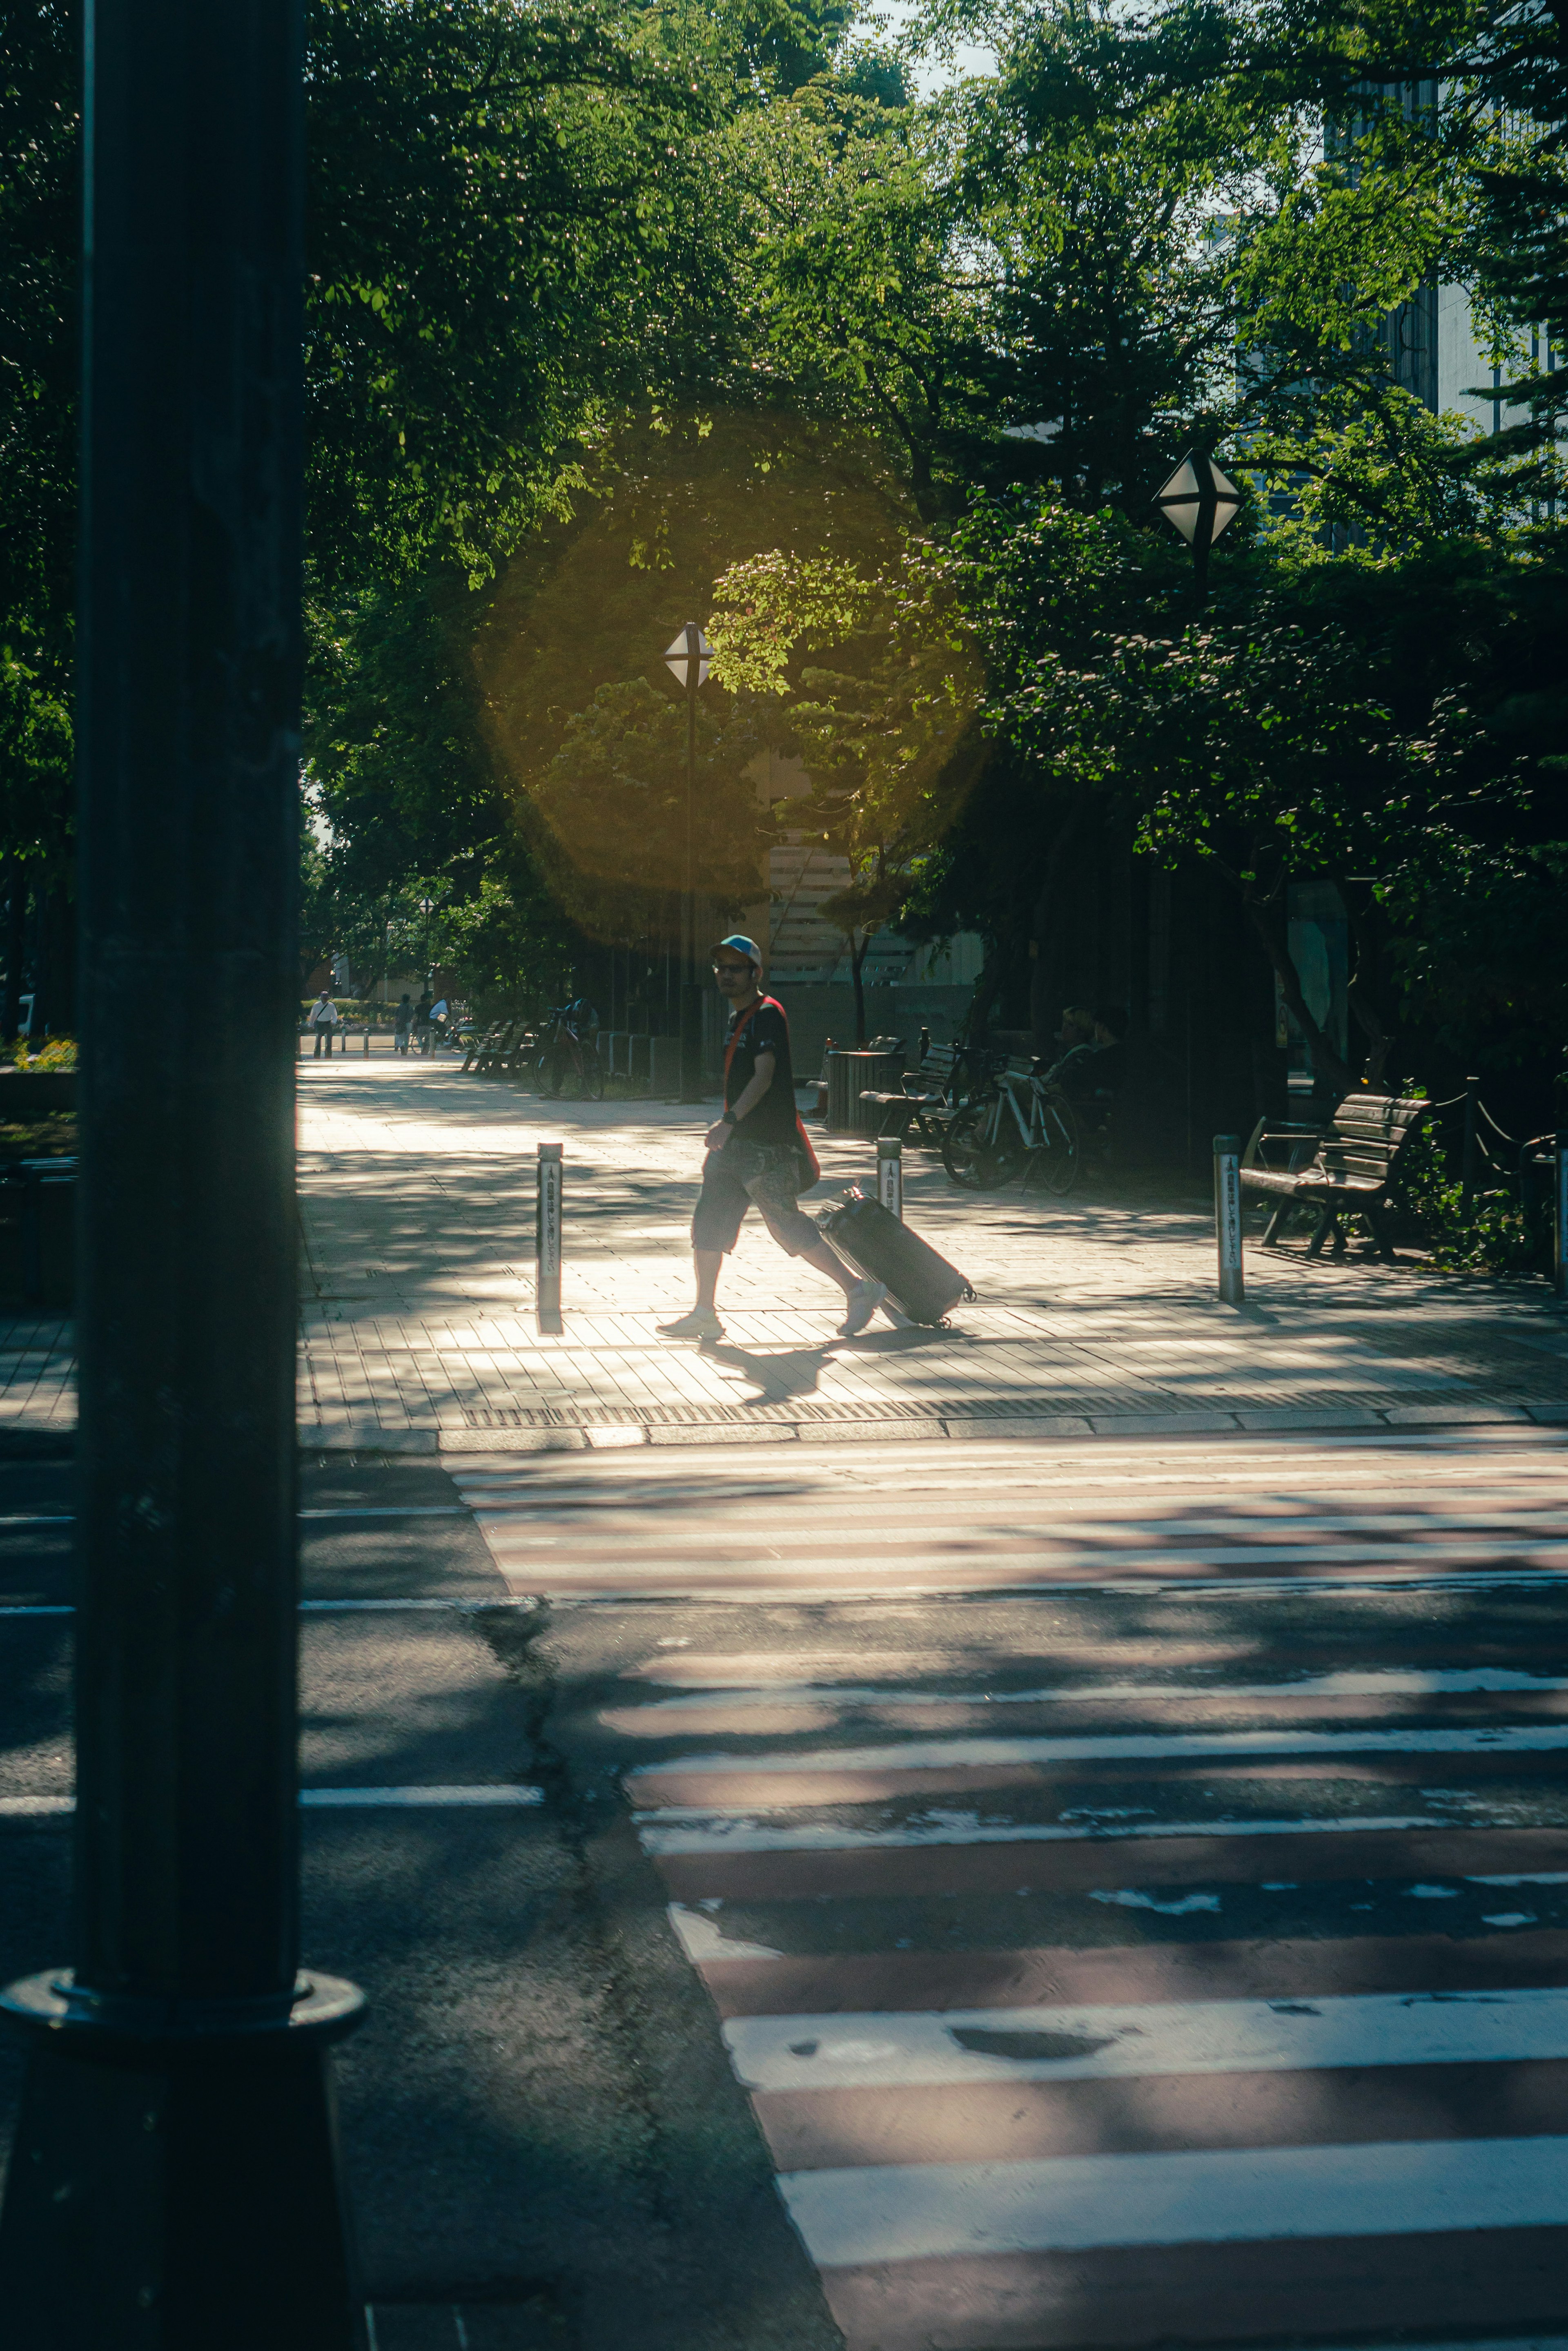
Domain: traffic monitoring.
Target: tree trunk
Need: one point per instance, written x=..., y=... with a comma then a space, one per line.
x=15, y=946
x=1040, y=978
x=986, y=988
x=1324, y=1059
x=857, y=963
x=1369, y=1020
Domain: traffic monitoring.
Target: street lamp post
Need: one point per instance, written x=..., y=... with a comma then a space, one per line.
x=689, y=658
x=1202, y=503
x=174, y=2182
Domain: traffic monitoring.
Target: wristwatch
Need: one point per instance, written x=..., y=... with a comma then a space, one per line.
x=727, y=1118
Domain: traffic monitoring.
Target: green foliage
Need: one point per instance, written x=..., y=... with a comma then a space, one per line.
x=1494, y=1237
x=1113, y=210
x=502, y=225
x=59, y=1053
x=864, y=309
x=609, y=813
x=39, y=117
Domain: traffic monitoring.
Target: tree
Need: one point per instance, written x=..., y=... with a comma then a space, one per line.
x=886, y=732
x=607, y=818
x=39, y=115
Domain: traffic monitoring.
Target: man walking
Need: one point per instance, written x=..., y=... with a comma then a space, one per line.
x=323, y=1019
x=757, y=1155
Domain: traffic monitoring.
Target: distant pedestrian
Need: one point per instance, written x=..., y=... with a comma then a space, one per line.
x=402, y=1022
x=758, y=1155
x=422, y=1028
x=324, y=1021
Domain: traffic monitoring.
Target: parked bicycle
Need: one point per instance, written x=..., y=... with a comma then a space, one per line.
x=1024, y=1125
x=564, y=1063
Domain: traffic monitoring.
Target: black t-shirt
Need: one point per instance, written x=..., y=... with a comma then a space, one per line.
x=766, y=1031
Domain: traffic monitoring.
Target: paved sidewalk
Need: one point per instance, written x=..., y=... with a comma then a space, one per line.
x=418, y=1192
x=418, y=1330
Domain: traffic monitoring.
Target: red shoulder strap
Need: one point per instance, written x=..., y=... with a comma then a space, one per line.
x=763, y=1003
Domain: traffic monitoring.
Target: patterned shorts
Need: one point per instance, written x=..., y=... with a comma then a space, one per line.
x=764, y=1175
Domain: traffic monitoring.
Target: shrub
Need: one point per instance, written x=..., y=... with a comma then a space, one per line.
x=54, y=1053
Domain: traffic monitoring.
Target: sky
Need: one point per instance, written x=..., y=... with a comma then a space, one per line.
x=933, y=74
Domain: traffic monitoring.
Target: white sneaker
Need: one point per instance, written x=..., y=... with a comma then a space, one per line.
x=864, y=1299
x=700, y=1323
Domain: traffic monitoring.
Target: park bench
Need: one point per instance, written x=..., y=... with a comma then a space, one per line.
x=488, y=1053
x=926, y=1098
x=1344, y=1169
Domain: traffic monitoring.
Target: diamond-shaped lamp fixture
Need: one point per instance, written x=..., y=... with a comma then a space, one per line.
x=1199, y=500
x=689, y=646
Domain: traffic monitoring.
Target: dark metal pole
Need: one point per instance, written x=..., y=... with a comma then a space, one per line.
x=691, y=986
x=1203, y=529
x=1471, y=1164
x=174, y=2182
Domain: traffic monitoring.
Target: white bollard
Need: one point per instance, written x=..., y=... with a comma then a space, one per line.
x=890, y=1174
x=548, y=1239
x=1227, y=1218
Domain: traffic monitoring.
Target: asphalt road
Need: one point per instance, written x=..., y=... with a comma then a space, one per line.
x=1095, y=1896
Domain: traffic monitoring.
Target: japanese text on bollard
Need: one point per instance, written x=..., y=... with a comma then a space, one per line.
x=548, y=1239
x=1228, y=1216
x=890, y=1174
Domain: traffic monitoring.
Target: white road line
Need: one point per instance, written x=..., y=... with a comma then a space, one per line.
x=966, y=1754
x=356, y=1510
x=743, y=1836
x=388, y=1511
x=593, y=1589
x=877, y=2051
x=339, y=1798
x=317, y=1800
x=862, y=1552
x=915, y=2211
x=326, y=1607
x=701, y=1939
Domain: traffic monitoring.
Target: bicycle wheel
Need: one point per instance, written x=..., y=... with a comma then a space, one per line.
x=593, y=1076
x=969, y=1157
x=1057, y=1162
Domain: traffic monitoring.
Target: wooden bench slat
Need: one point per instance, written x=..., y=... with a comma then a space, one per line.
x=1351, y=1170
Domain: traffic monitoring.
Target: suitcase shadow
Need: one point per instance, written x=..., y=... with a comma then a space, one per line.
x=793, y=1371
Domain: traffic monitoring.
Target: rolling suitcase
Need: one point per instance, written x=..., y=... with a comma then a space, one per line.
x=921, y=1284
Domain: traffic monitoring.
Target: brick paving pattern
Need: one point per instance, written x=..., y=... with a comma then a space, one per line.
x=417, y=1203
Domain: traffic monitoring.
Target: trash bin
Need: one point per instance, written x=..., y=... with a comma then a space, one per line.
x=851, y=1074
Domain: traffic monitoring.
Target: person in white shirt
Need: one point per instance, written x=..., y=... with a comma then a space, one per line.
x=323, y=1019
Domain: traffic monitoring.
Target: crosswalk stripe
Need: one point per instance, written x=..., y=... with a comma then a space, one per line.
x=1209, y=1855
x=748, y=1980
x=911, y=2213
x=927, y=1755
x=655, y=1719
x=732, y=1836
x=1002, y=2045
x=1111, y=2140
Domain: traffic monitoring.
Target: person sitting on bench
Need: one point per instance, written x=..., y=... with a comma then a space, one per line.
x=1094, y=1070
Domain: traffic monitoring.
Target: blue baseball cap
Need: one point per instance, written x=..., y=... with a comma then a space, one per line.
x=742, y=945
